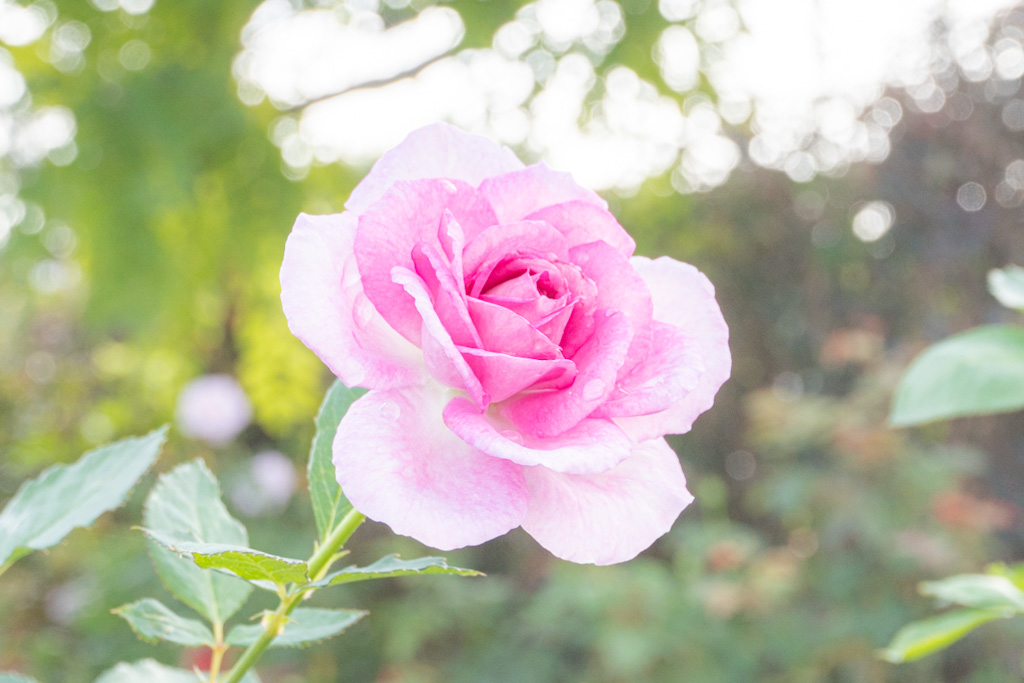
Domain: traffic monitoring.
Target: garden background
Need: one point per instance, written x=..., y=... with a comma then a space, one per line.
x=846, y=173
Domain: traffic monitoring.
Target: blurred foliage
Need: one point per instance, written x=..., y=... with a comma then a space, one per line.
x=814, y=522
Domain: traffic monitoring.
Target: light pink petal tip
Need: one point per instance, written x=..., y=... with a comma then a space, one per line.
x=323, y=300
x=435, y=151
x=399, y=464
x=685, y=298
x=591, y=446
x=609, y=517
x=516, y=195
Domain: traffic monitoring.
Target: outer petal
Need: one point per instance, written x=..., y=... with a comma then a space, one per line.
x=590, y=447
x=684, y=297
x=436, y=151
x=672, y=368
x=410, y=213
x=582, y=222
x=399, y=464
x=516, y=195
x=609, y=517
x=323, y=300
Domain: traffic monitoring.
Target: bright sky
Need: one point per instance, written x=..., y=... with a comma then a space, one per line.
x=806, y=74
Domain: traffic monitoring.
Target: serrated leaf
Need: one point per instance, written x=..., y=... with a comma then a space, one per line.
x=306, y=626
x=392, y=566
x=152, y=671
x=245, y=563
x=1013, y=572
x=1007, y=286
x=153, y=621
x=185, y=506
x=977, y=372
x=920, y=638
x=16, y=678
x=329, y=503
x=983, y=591
x=47, y=508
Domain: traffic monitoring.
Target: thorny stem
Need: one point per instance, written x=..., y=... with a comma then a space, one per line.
x=274, y=622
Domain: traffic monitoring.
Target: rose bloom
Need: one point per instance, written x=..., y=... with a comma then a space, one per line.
x=522, y=364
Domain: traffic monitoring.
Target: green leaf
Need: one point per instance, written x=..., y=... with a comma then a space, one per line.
x=152, y=671
x=977, y=372
x=152, y=621
x=185, y=506
x=1007, y=286
x=46, y=509
x=329, y=503
x=920, y=638
x=306, y=626
x=391, y=566
x=1013, y=572
x=16, y=678
x=147, y=670
x=245, y=563
x=984, y=591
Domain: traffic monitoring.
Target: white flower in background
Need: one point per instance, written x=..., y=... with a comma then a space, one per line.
x=214, y=409
x=267, y=485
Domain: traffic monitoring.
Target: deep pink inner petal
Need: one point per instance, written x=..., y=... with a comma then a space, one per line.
x=442, y=358
x=410, y=213
x=549, y=413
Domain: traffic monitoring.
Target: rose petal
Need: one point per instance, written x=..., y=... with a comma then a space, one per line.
x=448, y=295
x=583, y=222
x=503, y=376
x=503, y=242
x=592, y=446
x=504, y=331
x=399, y=464
x=326, y=308
x=672, y=369
x=685, y=298
x=442, y=358
x=549, y=413
x=619, y=286
x=609, y=517
x=408, y=214
x=516, y=195
x=435, y=151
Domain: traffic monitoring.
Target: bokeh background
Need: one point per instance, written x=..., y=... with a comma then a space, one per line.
x=846, y=172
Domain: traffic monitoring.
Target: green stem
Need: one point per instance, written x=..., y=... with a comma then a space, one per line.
x=273, y=624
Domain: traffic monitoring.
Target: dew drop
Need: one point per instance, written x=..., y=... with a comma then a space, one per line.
x=350, y=278
x=363, y=309
x=513, y=436
x=390, y=411
x=449, y=186
x=593, y=389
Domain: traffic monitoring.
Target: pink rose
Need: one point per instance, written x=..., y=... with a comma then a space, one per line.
x=523, y=365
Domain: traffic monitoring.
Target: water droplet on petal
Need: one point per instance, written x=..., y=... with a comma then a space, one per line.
x=362, y=310
x=594, y=389
x=390, y=411
x=513, y=436
x=350, y=278
x=449, y=186
x=609, y=312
